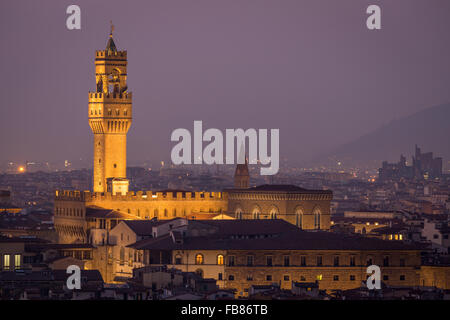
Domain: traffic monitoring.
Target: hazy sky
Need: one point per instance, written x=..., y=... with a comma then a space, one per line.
x=308, y=67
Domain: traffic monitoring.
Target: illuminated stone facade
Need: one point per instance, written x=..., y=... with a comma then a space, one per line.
x=239, y=254
x=75, y=220
x=110, y=114
x=307, y=209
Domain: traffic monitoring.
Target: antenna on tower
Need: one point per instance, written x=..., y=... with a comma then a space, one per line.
x=112, y=28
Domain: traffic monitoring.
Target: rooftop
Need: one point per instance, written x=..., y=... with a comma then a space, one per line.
x=96, y=212
x=258, y=235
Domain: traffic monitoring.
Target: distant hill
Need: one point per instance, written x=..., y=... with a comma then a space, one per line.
x=429, y=129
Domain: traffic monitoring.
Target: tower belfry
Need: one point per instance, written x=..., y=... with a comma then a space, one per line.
x=110, y=116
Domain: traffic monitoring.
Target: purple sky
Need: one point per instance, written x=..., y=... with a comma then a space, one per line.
x=308, y=67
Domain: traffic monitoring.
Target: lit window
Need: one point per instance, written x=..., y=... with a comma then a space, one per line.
x=6, y=262
x=319, y=277
x=199, y=259
x=17, y=264
x=220, y=259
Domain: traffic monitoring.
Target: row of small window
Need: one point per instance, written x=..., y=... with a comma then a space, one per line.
x=274, y=215
x=231, y=260
x=109, y=113
x=6, y=262
x=78, y=254
x=303, y=278
x=69, y=212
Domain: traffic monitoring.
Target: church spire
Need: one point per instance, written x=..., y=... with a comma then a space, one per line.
x=242, y=176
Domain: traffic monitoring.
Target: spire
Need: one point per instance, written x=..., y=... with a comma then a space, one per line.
x=111, y=46
x=242, y=176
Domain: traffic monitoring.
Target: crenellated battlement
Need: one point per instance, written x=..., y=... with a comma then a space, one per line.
x=103, y=54
x=110, y=96
x=87, y=196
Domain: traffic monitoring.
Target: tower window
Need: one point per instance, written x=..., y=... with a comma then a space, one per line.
x=115, y=165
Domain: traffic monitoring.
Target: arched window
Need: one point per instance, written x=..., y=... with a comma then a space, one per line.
x=273, y=213
x=317, y=219
x=299, y=218
x=238, y=213
x=256, y=213
x=155, y=213
x=220, y=259
x=165, y=213
x=199, y=259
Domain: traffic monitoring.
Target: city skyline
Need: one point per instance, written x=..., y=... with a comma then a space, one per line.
x=206, y=80
x=233, y=150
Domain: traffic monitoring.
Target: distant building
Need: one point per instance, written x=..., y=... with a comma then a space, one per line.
x=5, y=203
x=424, y=166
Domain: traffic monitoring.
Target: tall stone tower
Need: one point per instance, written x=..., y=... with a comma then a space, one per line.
x=110, y=118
